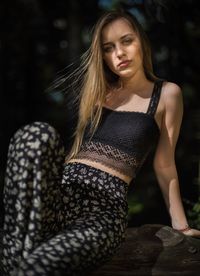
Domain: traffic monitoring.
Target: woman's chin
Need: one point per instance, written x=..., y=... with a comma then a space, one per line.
x=126, y=73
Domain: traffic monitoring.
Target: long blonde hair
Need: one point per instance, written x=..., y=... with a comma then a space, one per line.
x=98, y=77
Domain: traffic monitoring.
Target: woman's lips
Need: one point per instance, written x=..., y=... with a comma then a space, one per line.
x=124, y=64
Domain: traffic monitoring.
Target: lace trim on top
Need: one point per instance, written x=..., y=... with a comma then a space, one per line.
x=109, y=156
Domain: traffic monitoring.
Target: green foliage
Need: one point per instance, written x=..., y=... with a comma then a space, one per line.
x=194, y=215
x=135, y=207
x=110, y=5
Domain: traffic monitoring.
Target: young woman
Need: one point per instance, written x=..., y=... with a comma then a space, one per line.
x=72, y=225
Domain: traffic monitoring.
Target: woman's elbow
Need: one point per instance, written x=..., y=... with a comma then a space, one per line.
x=163, y=165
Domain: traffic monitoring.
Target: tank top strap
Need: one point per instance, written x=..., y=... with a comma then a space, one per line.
x=155, y=97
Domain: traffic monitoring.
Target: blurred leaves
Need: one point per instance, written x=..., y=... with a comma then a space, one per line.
x=135, y=206
x=40, y=38
x=194, y=215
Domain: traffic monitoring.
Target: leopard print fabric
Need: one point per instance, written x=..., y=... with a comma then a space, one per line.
x=60, y=219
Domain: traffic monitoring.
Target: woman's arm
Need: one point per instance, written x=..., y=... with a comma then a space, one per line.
x=164, y=160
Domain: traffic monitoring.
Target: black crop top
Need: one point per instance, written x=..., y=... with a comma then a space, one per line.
x=123, y=139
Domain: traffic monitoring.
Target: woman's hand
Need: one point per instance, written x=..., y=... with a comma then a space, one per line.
x=191, y=233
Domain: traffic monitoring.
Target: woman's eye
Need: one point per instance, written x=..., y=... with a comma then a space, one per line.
x=127, y=41
x=107, y=49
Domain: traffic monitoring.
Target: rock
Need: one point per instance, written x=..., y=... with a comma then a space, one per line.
x=154, y=250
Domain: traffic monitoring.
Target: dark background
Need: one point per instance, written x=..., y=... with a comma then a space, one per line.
x=41, y=38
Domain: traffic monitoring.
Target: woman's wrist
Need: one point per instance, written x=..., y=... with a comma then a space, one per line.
x=184, y=229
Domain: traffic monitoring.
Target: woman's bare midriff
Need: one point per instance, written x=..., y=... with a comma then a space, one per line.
x=102, y=167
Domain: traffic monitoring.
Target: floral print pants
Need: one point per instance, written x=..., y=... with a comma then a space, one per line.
x=60, y=218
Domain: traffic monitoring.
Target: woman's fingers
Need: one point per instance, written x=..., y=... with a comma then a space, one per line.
x=192, y=233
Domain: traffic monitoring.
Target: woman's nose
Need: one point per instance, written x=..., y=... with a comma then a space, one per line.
x=119, y=51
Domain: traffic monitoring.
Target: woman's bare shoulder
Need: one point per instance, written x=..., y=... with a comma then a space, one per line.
x=171, y=89
x=171, y=93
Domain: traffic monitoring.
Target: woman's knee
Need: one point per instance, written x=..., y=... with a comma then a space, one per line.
x=41, y=130
x=38, y=137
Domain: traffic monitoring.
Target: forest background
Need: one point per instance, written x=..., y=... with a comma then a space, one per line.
x=40, y=39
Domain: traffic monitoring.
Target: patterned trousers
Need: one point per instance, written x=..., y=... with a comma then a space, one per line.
x=60, y=218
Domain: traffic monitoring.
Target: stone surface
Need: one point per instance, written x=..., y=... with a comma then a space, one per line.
x=154, y=250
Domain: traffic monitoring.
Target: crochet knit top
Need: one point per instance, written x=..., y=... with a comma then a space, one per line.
x=123, y=139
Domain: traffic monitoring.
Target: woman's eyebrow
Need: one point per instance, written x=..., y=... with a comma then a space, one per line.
x=122, y=37
x=129, y=34
x=106, y=43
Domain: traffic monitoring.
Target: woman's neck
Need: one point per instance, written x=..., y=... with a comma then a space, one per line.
x=136, y=84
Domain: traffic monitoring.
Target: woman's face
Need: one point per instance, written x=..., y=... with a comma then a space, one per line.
x=122, y=48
